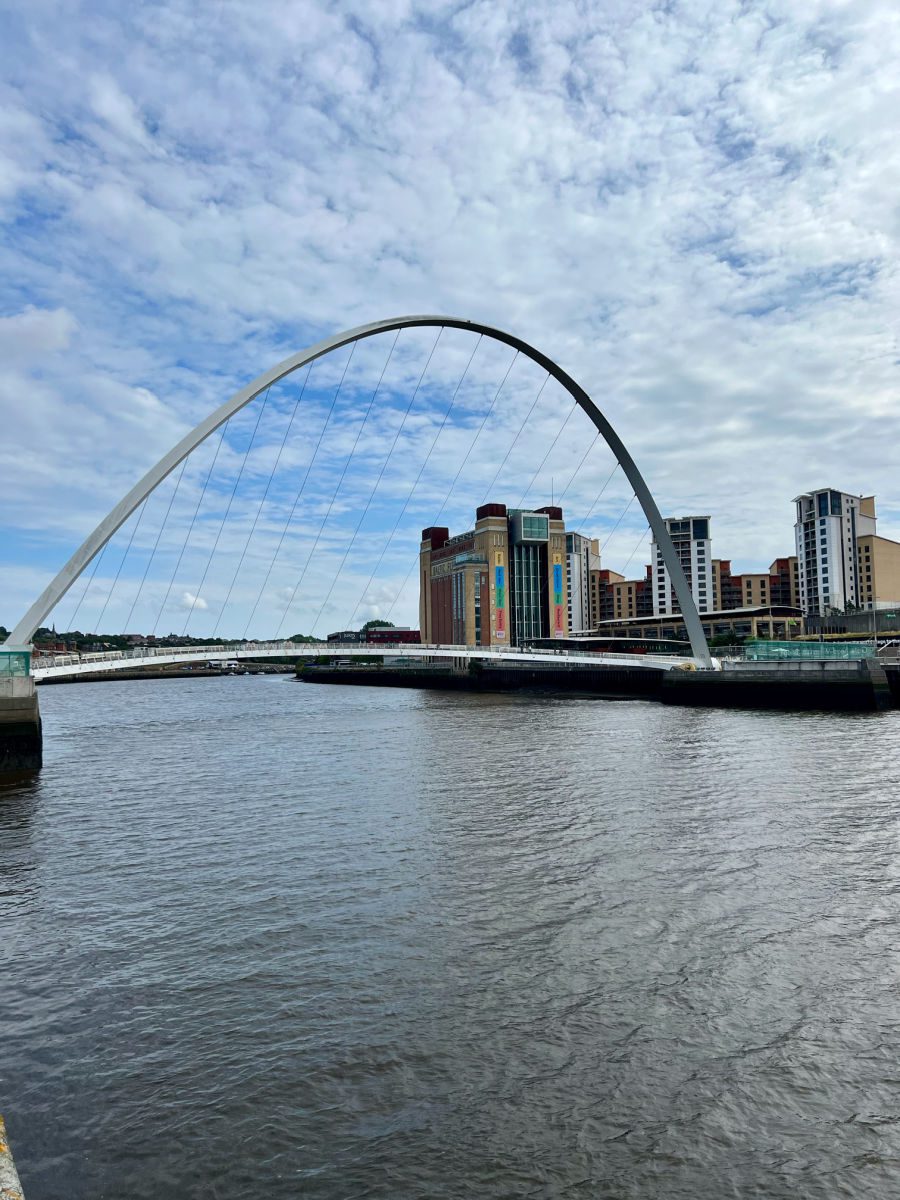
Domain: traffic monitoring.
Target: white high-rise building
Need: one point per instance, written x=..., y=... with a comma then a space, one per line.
x=826, y=530
x=690, y=536
x=582, y=557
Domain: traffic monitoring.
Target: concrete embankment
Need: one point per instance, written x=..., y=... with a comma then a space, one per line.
x=21, y=742
x=617, y=683
x=863, y=686
x=10, y=1187
x=832, y=686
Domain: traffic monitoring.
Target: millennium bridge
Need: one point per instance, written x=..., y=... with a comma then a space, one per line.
x=70, y=666
x=20, y=728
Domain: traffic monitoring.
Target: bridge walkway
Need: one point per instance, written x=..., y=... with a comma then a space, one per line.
x=72, y=665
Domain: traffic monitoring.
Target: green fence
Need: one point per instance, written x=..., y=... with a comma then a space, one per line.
x=14, y=662
x=764, y=651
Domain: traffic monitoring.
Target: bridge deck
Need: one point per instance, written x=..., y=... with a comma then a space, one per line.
x=72, y=665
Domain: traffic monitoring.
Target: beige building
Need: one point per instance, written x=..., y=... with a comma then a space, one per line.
x=754, y=589
x=502, y=582
x=778, y=586
x=878, y=560
x=599, y=580
x=625, y=596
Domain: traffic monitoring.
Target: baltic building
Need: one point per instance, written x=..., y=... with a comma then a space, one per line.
x=503, y=582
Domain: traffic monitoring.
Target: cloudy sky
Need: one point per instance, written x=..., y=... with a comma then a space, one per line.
x=691, y=205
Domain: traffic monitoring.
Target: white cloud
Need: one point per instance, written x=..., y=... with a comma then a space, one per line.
x=117, y=110
x=191, y=603
x=691, y=207
x=32, y=334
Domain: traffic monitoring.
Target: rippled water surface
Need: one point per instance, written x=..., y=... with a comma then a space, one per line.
x=265, y=939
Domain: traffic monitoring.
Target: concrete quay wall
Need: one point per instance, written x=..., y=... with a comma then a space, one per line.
x=21, y=740
x=832, y=687
x=610, y=682
x=827, y=686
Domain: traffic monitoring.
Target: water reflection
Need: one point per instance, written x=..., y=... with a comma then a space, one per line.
x=19, y=802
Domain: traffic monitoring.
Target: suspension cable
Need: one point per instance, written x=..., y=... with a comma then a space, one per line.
x=635, y=550
x=262, y=502
x=240, y=475
x=460, y=470
x=134, y=530
x=309, y=467
x=97, y=563
x=190, y=527
x=619, y=522
x=587, y=516
x=590, y=447
x=375, y=394
x=549, y=452
x=347, y=464
x=446, y=498
x=516, y=438
x=156, y=544
x=381, y=475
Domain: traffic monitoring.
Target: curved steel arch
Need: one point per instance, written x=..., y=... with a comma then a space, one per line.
x=55, y=591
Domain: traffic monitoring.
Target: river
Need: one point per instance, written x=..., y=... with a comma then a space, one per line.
x=269, y=939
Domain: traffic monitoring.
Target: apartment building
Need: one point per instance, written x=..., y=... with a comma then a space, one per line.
x=827, y=529
x=582, y=558
x=878, y=570
x=691, y=538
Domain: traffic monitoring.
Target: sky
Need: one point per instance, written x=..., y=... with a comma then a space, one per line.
x=691, y=206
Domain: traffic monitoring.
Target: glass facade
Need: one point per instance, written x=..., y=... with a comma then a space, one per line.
x=458, y=607
x=529, y=527
x=768, y=650
x=535, y=528
x=529, y=581
x=14, y=662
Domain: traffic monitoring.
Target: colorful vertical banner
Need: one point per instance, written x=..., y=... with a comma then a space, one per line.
x=500, y=596
x=557, y=583
x=558, y=624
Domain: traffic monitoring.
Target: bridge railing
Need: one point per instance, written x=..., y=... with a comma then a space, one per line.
x=332, y=649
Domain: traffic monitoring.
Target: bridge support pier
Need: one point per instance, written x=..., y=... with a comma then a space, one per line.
x=21, y=740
